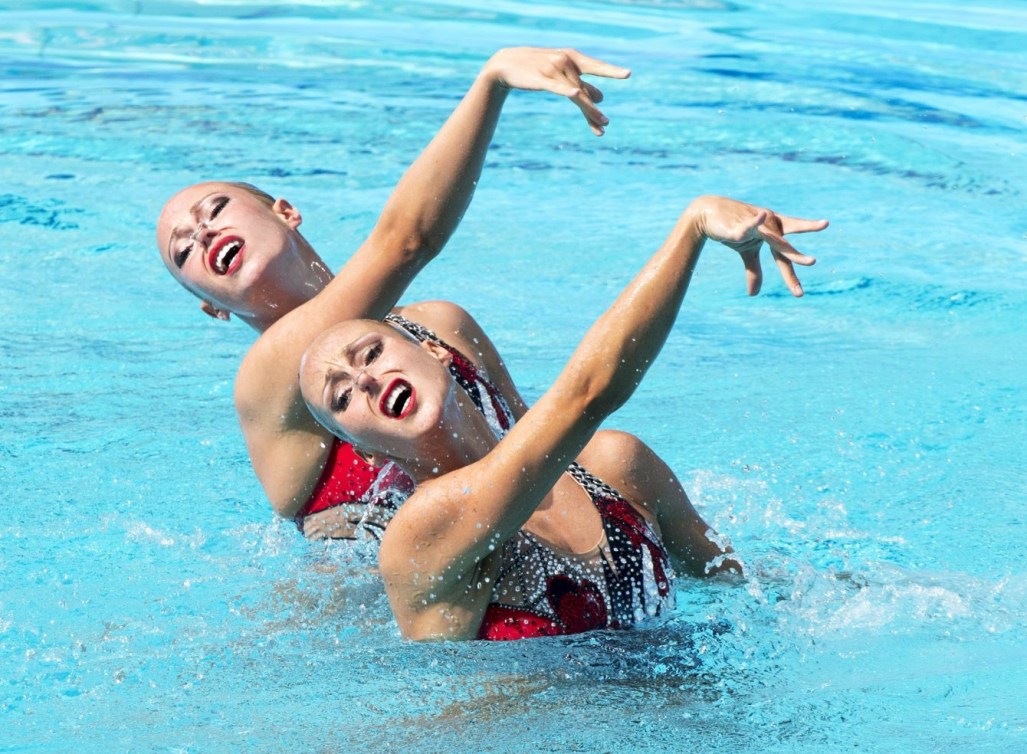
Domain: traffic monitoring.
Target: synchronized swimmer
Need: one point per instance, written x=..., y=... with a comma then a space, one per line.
x=550, y=527
x=519, y=522
x=240, y=252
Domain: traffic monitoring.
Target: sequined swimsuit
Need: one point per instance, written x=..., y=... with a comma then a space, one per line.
x=372, y=495
x=541, y=591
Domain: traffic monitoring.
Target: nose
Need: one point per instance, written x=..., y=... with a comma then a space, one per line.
x=203, y=233
x=365, y=382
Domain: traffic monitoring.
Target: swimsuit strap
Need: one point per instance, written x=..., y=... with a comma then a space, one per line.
x=640, y=574
x=467, y=375
x=596, y=488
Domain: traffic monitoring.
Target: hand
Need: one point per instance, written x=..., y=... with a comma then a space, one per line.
x=556, y=71
x=744, y=228
x=339, y=522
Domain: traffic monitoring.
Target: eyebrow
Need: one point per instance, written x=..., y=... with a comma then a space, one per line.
x=336, y=370
x=178, y=231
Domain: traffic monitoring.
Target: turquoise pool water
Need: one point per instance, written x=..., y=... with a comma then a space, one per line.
x=862, y=447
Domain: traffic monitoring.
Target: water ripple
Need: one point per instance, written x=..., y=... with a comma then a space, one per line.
x=48, y=213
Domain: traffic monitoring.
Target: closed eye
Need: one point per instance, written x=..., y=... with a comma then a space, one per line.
x=181, y=255
x=340, y=401
x=219, y=204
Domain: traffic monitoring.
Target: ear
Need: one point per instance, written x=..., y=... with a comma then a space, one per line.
x=289, y=214
x=443, y=354
x=212, y=311
x=372, y=459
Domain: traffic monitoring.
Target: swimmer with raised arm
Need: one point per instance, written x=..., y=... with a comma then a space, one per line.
x=508, y=536
x=240, y=252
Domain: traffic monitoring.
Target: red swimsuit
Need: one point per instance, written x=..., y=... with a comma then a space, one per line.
x=375, y=493
x=542, y=591
x=539, y=590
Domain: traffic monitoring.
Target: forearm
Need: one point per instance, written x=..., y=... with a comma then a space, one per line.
x=621, y=345
x=618, y=349
x=694, y=545
x=431, y=198
x=601, y=374
x=433, y=194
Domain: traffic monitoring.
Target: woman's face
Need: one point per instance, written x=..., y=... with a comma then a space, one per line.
x=222, y=242
x=376, y=387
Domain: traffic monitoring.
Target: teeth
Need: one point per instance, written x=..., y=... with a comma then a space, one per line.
x=394, y=399
x=226, y=254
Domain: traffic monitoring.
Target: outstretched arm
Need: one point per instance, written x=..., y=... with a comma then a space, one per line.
x=432, y=196
x=286, y=446
x=603, y=372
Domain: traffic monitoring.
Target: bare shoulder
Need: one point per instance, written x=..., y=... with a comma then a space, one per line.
x=627, y=464
x=445, y=317
x=415, y=541
x=287, y=447
x=269, y=374
x=615, y=453
x=449, y=321
x=436, y=565
x=266, y=383
x=460, y=329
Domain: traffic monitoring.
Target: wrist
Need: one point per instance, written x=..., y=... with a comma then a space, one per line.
x=693, y=219
x=491, y=75
x=492, y=90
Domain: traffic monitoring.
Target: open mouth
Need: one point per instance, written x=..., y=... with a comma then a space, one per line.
x=226, y=255
x=398, y=400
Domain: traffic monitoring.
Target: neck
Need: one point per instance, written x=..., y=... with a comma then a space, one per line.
x=461, y=438
x=306, y=276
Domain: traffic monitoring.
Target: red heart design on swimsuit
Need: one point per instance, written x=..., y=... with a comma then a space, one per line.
x=579, y=606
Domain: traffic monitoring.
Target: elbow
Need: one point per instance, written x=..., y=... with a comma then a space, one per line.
x=284, y=502
x=598, y=394
x=410, y=249
x=603, y=405
x=408, y=244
